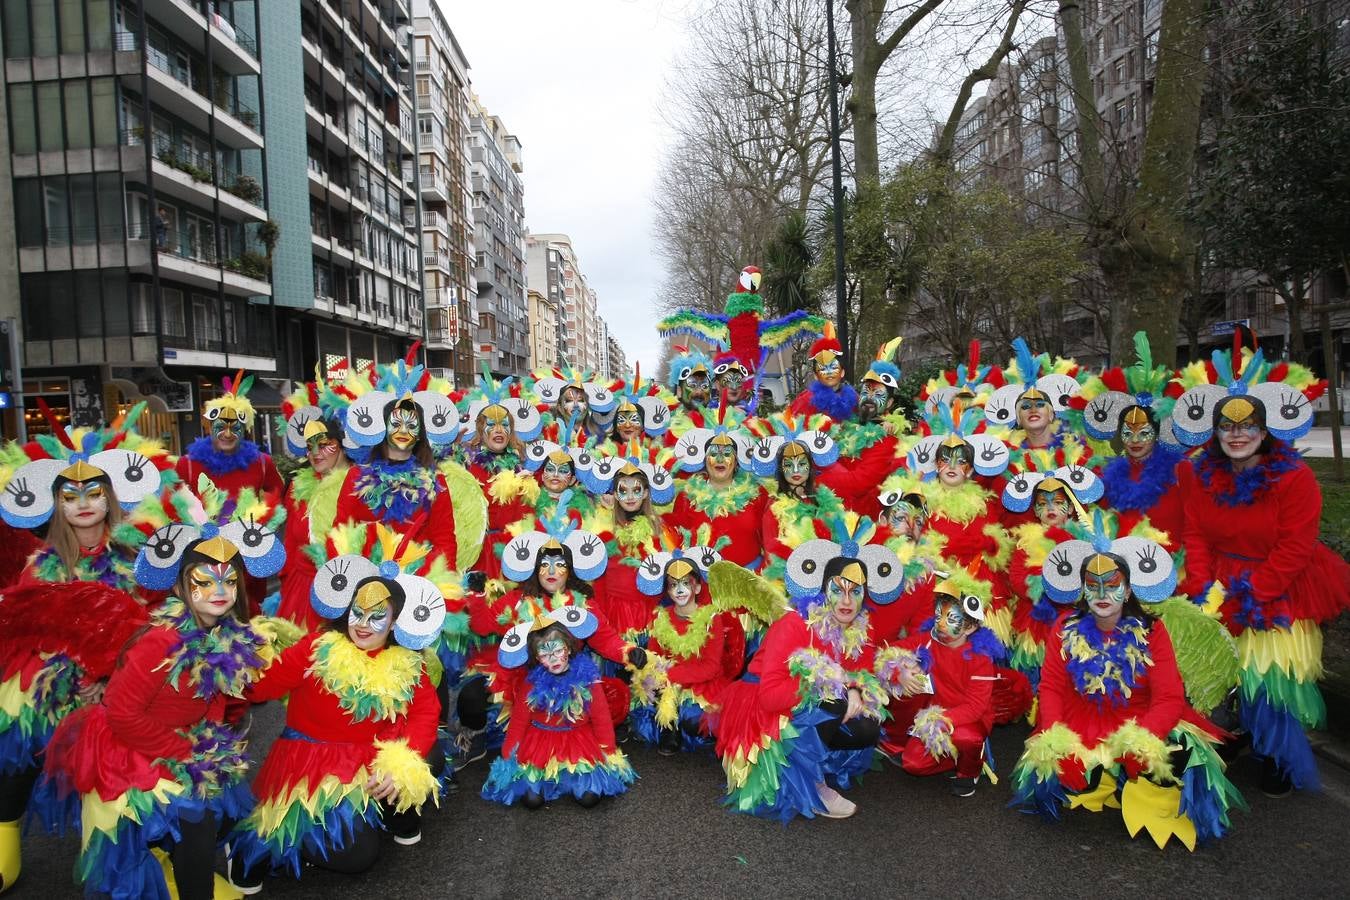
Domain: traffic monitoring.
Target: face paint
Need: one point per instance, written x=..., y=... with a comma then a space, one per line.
x=495, y=425
x=950, y=624
x=845, y=599
x=553, y=655
x=84, y=503
x=1033, y=413
x=225, y=434
x=682, y=590
x=907, y=520
x=1240, y=441
x=628, y=425
x=557, y=476
x=830, y=373
x=322, y=452
x=721, y=461
x=630, y=492
x=573, y=400
x=1052, y=508
x=1105, y=594
x=404, y=428
x=553, y=571
x=796, y=469
x=1137, y=441
x=954, y=465
x=213, y=590
x=872, y=398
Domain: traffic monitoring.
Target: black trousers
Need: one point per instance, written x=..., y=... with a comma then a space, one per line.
x=855, y=734
x=14, y=792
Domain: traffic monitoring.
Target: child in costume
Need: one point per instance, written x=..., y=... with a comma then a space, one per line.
x=311, y=504
x=947, y=677
x=805, y=720
x=78, y=485
x=1134, y=407
x=157, y=768
x=696, y=649
x=1252, y=511
x=722, y=493
x=631, y=487
x=1114, y=726
x=560, y=741
x=358, y=752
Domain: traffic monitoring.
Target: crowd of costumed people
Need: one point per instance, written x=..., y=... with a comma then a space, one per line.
x=543, y=573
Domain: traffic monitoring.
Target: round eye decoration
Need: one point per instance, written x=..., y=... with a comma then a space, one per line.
x=685, y=373
x=365, y=418
x=889, y=499
x=971, y=606
x=295, y=429
x=600, y=399
x=1102, y=414
x=157, y=561
x=1017, y=493
x=822, y=448
x=548, y=390
x=651, y=575
x=27, y=501
x=991, y=454
x=1002, y=405
x=519, y=556
x=805, y=570
x=440, y=417
x=1087, y=487
x=212, y=414
x=1289, y=414
x=513, y=651
x=589, y=559
x=885, y=574
x=577, y=620
x=1060, y=388
x=133, y=476
x=1061, y=575
x=335, y=581
x=1193, y=415
x=1153, y=577
x=423, y=613
x=262, y=551
x=525, y=418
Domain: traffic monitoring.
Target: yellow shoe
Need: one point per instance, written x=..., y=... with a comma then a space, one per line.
x=1100, y=797
x=1144, y=804
x=10, y=861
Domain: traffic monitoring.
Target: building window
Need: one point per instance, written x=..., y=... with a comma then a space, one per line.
x=22, y=123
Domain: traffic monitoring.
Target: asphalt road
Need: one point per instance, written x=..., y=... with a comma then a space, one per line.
x=668, y=837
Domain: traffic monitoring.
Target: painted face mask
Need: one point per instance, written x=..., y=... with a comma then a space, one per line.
x=844, y=597
x=698, y=385
x=1033, y=412
x=796, y=469
x=496, y=425
x=1105, y=592
x=628, y=424
x=907, y=520
x=1240, y=439
x=830, y=373
x=322, y=452
x=370, y=612
x=557, y=476
x=553, y=655
x=214, y=588
x=84, y=503
x=1052, y=507
x=630, y=492
x=682, y=590
x=954, y=464
x=553, y=571
x=721, y=459
x=949, y=621
x=872, y=397
x=404, y=428
x=572, y=401
x=1137, y=440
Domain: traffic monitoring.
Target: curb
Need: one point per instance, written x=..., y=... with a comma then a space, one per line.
x=1329, y=748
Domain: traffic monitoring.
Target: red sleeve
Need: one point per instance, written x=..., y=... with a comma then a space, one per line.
x=864, y=476
x=779, y=689
x=1296, y=529
x=351, y=508
x=131, y=695
x=802, y=405
x=707, y=665
x=424, y=716
x=606, y=641
x=271, y=478
x=1054, y=684
x=483, y=615
x=602, y=723
x=184, y=468
x=976, y=707
x=682, y=514
x=1167, y=694
x=286, y=672
x=516, y=690
x=441, y=526
x=1199, y=560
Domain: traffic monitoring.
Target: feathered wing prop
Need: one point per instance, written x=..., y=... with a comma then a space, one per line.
x=85, y=620
x=471, y=513
x=734, y=588
x=1206, y=652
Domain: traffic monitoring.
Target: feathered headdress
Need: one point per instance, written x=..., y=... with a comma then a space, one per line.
x=970, y=381
x=363, y=552
x=688, y=553
x=1029, y=375
x=686, y=362
x=1145, y=562
x=884, y=370
x=648, y=400
x=1281, y=395
x=562, y=442
x=873, y=565
x=404, y=382
x=549, y=387
x=555, y=532
x=952, y=426
x=653, y=464
x=233, y=404
x=1051, y=470
x=134, y=467
x=536, y=614
x=728, y=428
x=222, y=528
x=490, y=397
x=1119, y=393
x=788, y=435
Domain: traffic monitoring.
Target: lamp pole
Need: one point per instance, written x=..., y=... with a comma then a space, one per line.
x=836, y=166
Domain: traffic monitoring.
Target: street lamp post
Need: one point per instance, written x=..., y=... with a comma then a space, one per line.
x=836, y=166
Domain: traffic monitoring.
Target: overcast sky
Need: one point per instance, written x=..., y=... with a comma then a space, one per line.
x=579, y=82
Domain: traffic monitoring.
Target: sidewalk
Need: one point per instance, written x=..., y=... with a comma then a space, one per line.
x=1318, y=442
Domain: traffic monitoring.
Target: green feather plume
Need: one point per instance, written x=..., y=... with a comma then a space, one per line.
x=1206, y=652
x=734, y=588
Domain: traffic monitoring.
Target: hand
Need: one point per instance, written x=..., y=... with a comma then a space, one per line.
x=92, y=693
x=855, y=704
x=381, y=789
x=890, y=429
x=911, y=682
x=637, y=657
x=607, y=501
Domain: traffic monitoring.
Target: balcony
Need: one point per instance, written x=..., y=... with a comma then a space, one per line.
x=231, y=49
x=236, y=122
x=433, y=187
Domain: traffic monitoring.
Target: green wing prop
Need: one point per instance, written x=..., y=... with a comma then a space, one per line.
x=734, y=588
x=1206, y=652
x=471, y=513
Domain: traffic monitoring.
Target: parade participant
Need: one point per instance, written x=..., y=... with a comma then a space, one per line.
x=970, y=381
x=562, y=460
x=1056, y=496
x=796, y=457
x=879, y=391
x=631, y=488
x=734, y=378
x=1035, y=398
x=828, y=395
x=696, y=650
x=358, y=752
x=722, y=493
x=804, y=721
x=642, y=414
x=399, y=486
x=691, y=378
x=947, y=677
x=76, y=484
x=1134, y=407
x=311, y=504
x=157, y=769
x=225, y=454
x=560, y=741
x=500, y=421
x=572, y=395
x=903, y=528
x=1114, y=726
x=1252, y=509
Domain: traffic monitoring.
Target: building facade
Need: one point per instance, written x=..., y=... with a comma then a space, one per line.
x=619, y=369
x=543, y=332
x=499, y=244
x=140, y=207
x=555, y=271
x=444, y=175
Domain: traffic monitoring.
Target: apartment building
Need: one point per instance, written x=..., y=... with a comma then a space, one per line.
x=140, y=203
x=444, y=172
x=555, y=272
x=503, y=333
x=543, y=332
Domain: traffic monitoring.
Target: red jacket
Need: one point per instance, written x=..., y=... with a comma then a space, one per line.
x=261, y=476
x=963, y=681
x=437, y=528
x=741, y=528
